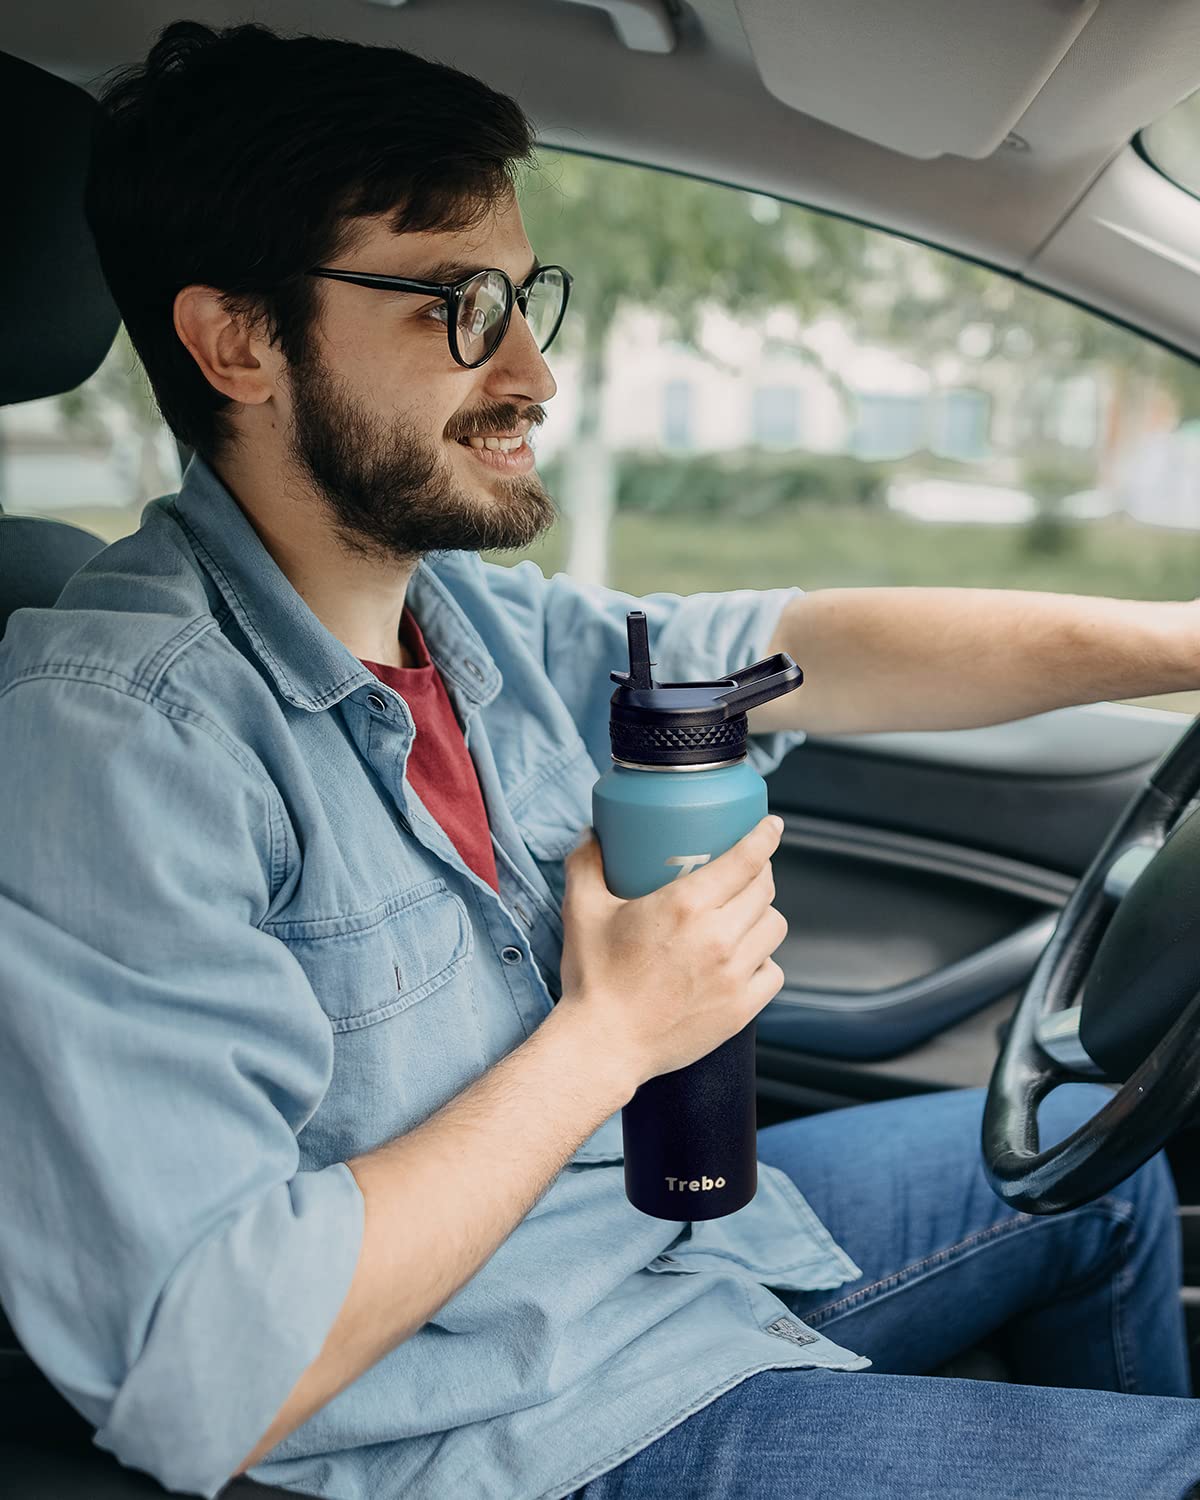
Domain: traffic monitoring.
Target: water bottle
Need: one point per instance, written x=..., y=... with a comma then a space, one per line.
x=680, y=791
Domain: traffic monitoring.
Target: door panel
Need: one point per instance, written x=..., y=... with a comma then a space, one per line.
x=896, y=937
x=921, y=874
x=1044, y=789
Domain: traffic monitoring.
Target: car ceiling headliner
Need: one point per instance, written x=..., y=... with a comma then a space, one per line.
x=1072, y=206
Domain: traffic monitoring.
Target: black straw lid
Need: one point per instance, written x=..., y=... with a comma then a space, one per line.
x=688, y=723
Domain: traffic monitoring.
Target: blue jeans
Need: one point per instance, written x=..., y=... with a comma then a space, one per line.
x=1085, y=1302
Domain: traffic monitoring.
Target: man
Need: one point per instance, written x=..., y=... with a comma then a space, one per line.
x=319, y=1018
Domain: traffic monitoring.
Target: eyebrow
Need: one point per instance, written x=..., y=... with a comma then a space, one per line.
x=449, y=271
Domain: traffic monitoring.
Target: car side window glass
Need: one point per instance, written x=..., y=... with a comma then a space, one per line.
x=93, y=456
x=755, y=394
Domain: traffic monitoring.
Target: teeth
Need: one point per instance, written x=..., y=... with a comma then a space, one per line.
x=498, y=445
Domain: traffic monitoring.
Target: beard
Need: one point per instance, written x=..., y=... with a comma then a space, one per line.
x=391, y=492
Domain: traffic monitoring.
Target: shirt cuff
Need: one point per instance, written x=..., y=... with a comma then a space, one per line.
x=239, y=1322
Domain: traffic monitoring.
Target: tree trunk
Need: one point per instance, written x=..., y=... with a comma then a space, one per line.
x=588, y=471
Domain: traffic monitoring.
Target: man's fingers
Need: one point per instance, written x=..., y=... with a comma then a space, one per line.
x=743, y=910
x=719, y=880
x=764, y=937
x=723, y=877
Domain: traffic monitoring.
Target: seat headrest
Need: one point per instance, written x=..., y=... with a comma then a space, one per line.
x=57, y=317
x=37, y=556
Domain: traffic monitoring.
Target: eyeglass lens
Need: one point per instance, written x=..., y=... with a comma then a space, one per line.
x=481, y=312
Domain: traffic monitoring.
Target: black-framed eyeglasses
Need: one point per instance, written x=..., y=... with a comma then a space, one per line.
x=479, y=307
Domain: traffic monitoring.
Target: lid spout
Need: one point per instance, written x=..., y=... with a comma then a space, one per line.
x=766, y=679
x=638, y=675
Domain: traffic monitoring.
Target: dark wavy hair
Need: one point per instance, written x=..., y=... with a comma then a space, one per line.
x=239, y=158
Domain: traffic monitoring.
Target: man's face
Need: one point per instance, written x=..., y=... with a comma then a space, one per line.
x=379, y=404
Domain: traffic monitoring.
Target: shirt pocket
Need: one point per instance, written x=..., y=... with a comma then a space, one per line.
x=368, y=966
x=396, y=983
x=553, y=809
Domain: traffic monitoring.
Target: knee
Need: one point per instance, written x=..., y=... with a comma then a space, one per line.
x=1151, y=1190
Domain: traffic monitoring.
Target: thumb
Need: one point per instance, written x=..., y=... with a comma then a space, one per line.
x=585, y=861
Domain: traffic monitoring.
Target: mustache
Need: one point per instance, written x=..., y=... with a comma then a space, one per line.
x=503, y=419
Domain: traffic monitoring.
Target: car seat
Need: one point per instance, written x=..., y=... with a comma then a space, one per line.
x=57, y=322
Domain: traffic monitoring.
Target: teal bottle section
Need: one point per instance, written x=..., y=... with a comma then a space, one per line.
x=648, y=821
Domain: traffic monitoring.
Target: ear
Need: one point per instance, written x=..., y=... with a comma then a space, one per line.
x=235, y=358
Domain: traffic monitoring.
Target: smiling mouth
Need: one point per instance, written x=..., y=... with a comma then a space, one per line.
x=492, y=444
x=502, y=459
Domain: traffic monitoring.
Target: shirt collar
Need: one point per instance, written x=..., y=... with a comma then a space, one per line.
x=312, y=668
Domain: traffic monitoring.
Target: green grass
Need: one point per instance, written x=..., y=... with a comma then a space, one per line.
x=831, y=546
x=826, y=546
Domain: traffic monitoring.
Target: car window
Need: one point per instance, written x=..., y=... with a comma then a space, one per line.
x=93, y=456
x=753, y=394
x=1173, y=143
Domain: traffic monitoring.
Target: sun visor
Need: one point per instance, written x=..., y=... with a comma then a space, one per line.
x=926, y=77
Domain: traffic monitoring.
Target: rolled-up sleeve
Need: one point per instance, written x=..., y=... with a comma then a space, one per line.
x=581, y=632
x=163, y=1260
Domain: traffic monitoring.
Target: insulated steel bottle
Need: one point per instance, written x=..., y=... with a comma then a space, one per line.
x=680, y=791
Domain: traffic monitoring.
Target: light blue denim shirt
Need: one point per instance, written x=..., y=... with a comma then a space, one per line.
x=237, y=951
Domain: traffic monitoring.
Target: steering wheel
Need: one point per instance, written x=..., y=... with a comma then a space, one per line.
x=1114, y=996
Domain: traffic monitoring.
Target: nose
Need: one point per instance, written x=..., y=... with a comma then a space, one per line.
x=517, y=367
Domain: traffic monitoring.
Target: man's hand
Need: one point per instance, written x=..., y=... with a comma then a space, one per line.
x=669, y=976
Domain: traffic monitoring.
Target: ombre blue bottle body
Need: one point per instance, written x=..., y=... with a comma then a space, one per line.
x=690, y=1136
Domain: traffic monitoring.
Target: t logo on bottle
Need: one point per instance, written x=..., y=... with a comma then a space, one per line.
x=686, y=862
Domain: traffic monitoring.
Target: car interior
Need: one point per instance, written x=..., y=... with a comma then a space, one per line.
x=923, y=873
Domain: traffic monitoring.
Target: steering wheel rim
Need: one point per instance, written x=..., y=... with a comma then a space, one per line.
x=1162, y=1090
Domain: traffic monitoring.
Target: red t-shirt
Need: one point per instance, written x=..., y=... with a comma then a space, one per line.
x=439, y=764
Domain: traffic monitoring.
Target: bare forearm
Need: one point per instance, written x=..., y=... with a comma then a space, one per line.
x=946, y=658
x=441, y=1199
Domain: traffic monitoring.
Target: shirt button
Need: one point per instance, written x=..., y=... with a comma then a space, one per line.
x=376, y=702
x=474, y=668
x=511, y=955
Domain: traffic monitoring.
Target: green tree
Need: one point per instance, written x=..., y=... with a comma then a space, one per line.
x=939, y=303
x=635, y=237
